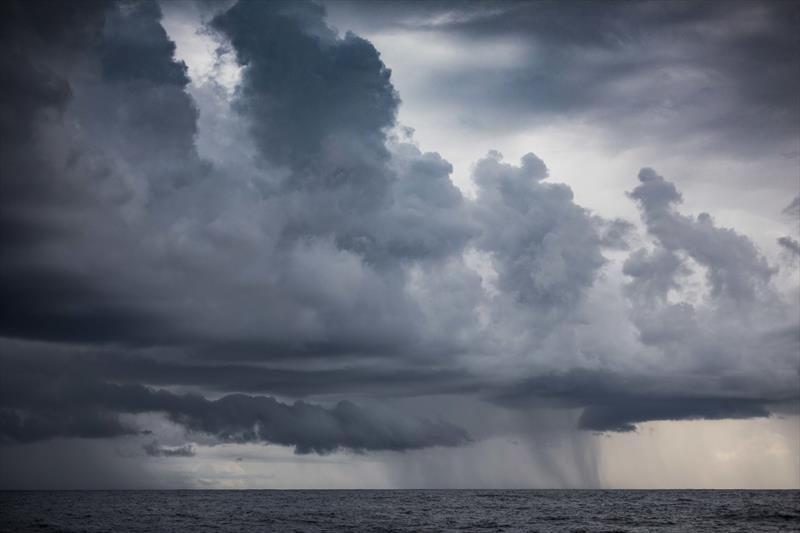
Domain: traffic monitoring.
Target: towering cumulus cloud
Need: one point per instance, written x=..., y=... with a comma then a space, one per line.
x=307, y=294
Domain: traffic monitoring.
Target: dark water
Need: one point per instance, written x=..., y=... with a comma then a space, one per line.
x=406, y=511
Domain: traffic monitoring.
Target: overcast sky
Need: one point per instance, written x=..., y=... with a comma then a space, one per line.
x=399, y=244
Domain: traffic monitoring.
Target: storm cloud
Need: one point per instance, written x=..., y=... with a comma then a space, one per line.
x=287, y=284
x=154, y=449
x=36, y=408
x=691, y=74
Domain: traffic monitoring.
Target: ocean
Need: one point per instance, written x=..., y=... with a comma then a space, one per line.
x=543, y=511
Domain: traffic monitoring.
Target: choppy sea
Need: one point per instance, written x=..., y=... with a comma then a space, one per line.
x=400, y=511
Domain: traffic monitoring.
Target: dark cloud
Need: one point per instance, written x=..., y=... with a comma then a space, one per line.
x=318, y=104
x=793, y=209
x=154, y=449
x=136, y=47
x=170, y=370
x=615, y=403
x=321, y=105
x=311, y=428
x=80, y=464
x=624, y=415
x=653, y=274
x=679, y=333
x=57, y=306
x=63, y=181
x=698, y=74
x=734, y=267
x=26, y=427
x=616, y=233
x=305, y=89
x=790, y=244
x=36, y=409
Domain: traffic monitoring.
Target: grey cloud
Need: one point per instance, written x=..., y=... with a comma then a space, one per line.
x=547, y=251
x=52, y=305
x=654, y=274
x=304, y=90
x=615, y=403
x=136, y=47
x=740, y=302
x=84, y=408
x=428, y=218
x=167, y=369
x=655, y=193
x=735, y=268
x=80, y=464
x=64, y=181
x=624, y=415
x=695, y=74
x=26, y=427
x=614, y=234
x=320, y=105
x=154, y=449
x=793, y=209
x=132, y=176
x=314, y=429
x=700, y=344
x=317, y=104
x=789, y=244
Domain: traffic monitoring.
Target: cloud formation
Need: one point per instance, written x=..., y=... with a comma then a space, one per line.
x=154, y=449
x=699, y=75
x=328, y=256
x=35, y=409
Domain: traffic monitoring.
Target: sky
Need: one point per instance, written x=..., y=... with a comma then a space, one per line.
x=445, y=244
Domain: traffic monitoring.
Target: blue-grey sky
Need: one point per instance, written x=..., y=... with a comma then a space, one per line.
x=400, y=244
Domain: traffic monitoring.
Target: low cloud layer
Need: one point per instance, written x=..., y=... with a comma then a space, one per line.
x=310, y=249
x=36, y=408
x=154, y=449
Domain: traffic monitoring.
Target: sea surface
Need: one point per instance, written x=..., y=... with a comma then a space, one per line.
x=401, y=511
